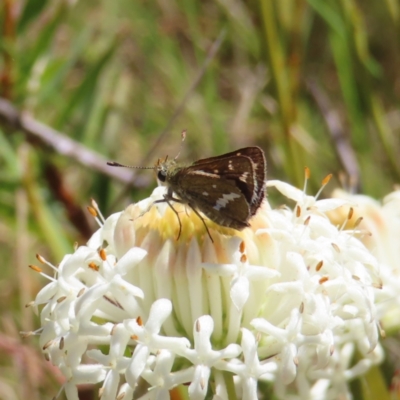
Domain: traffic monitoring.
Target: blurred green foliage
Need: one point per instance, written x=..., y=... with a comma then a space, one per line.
x=314, y=82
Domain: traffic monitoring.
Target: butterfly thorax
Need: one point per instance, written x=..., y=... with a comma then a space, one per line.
x=169, y=174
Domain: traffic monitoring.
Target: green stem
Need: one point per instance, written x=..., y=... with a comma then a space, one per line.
x=230, y=387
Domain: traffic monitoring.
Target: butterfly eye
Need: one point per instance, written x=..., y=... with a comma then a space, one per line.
x=162, y=175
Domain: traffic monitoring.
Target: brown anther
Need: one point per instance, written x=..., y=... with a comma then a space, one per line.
x=383, y=333
x=298, y=211
x=61, y=344
x=61, y=299
x=47, y=345
x=24, y=335
x=92, y=265
x=356, y=278
x=296, y=361
x=92, y=211
x=377, y=285
x=243, y=258
x=336, y=247
x=197, y=326
x=113, y=329
x=134, y=337
x=113, y=302
x=358, y=222
x=80, y=293
x=319, y=265
x=101, y=391
x=301, y=308
x=120, y=396
x=35, y=268
x=139, y=320
x=307, y=172
x=307, y=221
x=350, y=214
x=30, y=304
x=323, y=280
x=40, y=259
x=326, y=179
x=242, y=246
x=103, y=254
x=46, y=357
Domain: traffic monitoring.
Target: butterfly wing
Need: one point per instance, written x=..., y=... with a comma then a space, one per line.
x=253, y=152
x=228, y=188
x=235, y=168
x=259, y=172
x=221, y=200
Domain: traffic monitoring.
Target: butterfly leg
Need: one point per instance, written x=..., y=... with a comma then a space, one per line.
x=202, y=220
x=167, y=199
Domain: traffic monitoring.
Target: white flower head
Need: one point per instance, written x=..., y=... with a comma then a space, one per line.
x=278, y=302
x=379, y=227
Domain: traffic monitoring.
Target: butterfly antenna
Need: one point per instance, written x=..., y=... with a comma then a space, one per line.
x=115, y=164
x=183, y=136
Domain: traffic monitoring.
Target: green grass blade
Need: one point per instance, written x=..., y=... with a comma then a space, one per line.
x=30, y=12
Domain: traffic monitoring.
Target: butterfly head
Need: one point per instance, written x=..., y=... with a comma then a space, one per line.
x=163, y=170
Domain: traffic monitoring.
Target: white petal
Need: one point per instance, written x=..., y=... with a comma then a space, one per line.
x=121, y=284
x=88, y=373
x=287, y=190
x=249, y=346
x=253, y=272
x=110, y=385
x=47, y=293
x=96, y=240
x=162, y=394
x=232, y=350
x=220, y=269
x=288, y=365
x=130, y=259
x=239, y=292
x=331, y=204
x=137, y=365
x=198, y=387
x=264, y=326
x=159, y=312
x=71, y=391
x=202, y=331
x=249, y=389
x=125, y=392
x=88, y=302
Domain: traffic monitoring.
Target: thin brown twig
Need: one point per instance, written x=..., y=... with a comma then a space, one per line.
x=8, y=36
x=76, y=214
x=59, y=142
